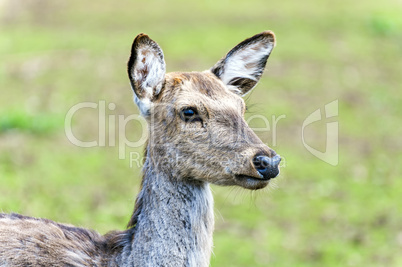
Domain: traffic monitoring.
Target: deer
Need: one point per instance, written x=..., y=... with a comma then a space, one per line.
x=197, y=136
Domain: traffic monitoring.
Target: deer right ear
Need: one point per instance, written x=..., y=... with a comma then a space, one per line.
x=146, y=71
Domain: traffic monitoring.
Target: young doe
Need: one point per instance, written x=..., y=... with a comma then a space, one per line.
x=197, y=136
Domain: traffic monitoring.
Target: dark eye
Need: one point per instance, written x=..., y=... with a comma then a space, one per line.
x=189, y=115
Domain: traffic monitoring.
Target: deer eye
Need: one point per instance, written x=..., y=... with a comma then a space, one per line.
x=189, y=115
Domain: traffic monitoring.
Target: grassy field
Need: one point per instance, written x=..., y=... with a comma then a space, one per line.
x=55, y=54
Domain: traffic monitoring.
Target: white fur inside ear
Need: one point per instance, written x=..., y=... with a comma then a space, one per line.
x=149, y=70
x=234, y=89
x=245, y=63
x=149, y=74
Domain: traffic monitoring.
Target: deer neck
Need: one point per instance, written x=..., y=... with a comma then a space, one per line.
x=173, y=219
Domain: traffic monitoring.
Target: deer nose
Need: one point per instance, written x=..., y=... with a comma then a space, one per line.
x=266, y=166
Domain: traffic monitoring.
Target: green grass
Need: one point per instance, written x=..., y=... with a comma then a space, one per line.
x=55, y=55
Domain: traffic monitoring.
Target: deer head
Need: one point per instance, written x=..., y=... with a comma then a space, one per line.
x=196, y=119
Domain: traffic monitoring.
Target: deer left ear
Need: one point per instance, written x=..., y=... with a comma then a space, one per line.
x=242, y=67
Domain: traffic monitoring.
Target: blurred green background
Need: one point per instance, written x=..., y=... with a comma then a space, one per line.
x=55, y=54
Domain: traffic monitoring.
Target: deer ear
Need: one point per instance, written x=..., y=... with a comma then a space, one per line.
x=146, y=71
x=243, y=66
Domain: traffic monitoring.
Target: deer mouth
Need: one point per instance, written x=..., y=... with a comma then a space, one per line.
x=250, y=182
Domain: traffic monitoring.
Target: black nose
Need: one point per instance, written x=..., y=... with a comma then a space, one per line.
x=266, y=166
